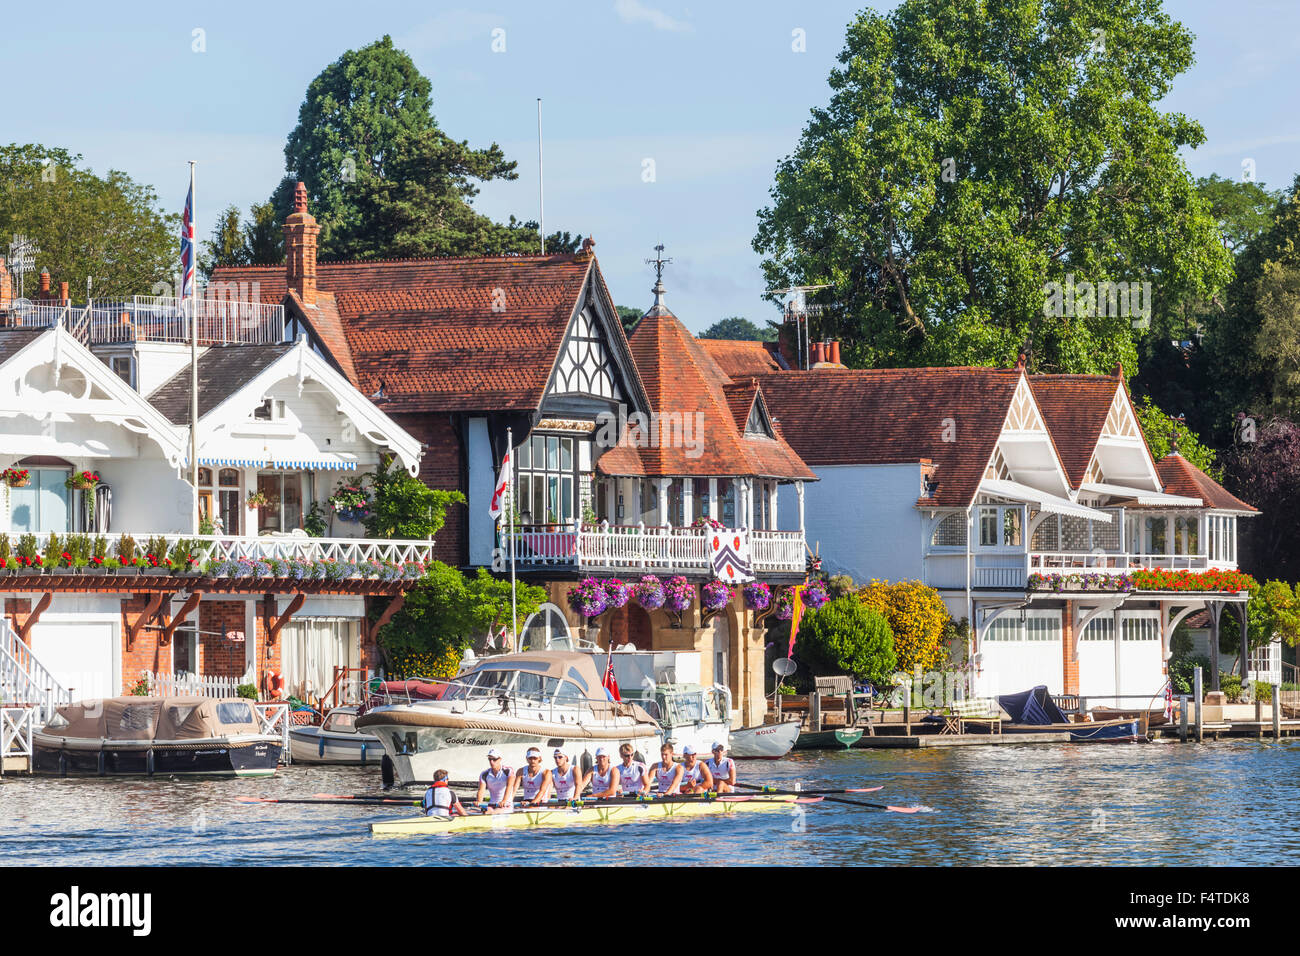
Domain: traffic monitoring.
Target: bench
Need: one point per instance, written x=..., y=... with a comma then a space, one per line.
x=976, y=710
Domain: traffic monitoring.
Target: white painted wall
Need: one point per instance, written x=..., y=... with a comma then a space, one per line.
x=482, y=480
x=156, y=363
x=148, y=497
x=864, y=519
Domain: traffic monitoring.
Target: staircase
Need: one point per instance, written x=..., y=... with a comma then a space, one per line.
x=24, y=680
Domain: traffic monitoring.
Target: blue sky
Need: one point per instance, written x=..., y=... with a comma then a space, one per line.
x=711, y=92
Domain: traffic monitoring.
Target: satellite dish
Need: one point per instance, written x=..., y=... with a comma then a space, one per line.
x=784, y=667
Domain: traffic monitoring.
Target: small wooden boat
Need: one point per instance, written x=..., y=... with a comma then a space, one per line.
x=1154, y=718
x=1034, y=712
x=768, y=741
x=562, y=816
x=156, y=735
x=335, y=741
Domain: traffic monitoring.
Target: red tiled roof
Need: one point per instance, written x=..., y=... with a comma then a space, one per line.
x=453, y=334
x=893, y=416
x=738, y=359
x=682, y=379
x=1180, y=477
x=1074, y=408
x=325, y=319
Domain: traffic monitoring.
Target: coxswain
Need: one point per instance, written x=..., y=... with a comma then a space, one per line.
x=722, y=769
x=667, y=774
x=440, y=800
x=695, y=776
x=603, y=777
x=496, y=784
x=533, y=781
x=632, y=777
x=565, y=777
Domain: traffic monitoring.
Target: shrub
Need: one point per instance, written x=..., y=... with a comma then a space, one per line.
x=1181, y=671
x=847, y=636
x=916, y=615
x=1230, y=684
x=247, y=690
x=126, y=550
x=53, y=550
x=1263, y=692
x=4, y=550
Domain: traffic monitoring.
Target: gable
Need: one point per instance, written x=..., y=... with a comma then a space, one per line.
x=1121, y=455
x=584, y=366
x=1024, y=451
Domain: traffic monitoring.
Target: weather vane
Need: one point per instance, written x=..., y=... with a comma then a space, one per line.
x=658, y=262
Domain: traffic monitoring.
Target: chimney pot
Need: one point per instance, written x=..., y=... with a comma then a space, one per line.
x=63, y=291
x=300, y=238
x=45, y=283
x=835, y=352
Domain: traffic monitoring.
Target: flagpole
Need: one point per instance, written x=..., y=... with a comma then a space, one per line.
x=194, y=358
x=514, y=608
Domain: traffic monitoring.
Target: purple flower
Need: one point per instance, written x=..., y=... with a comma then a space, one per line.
x=815, y=596
x=785, y=605
x=649, y=593
x=715, y=595
x=678, y=594
x=758, y=596
x=617, y=593
x=588, y=597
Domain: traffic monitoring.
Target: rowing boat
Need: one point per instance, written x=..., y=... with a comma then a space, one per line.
x=583, y=816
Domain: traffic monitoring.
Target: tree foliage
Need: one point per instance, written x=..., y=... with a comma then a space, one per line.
x=973, y=152
x=917, y=617
x=629, y=317
x=846, y=636
x=383, y=179
x=1266, y=473
x=108, y=228
x=1243, y=210
x=737, y=327
x=405, y=507
x=1159, y=429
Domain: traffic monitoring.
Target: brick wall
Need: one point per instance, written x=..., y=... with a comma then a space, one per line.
x=145, y=654
x=1070, y=674
x=219, y=657
x=442, y=466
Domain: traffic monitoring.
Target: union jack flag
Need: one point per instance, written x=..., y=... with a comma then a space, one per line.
x=187, y=245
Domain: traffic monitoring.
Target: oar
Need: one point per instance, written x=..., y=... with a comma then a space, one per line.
x=769, y=789
x=850, y=803
x=369, y=801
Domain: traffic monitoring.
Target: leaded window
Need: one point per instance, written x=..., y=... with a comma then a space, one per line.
x=585, y=366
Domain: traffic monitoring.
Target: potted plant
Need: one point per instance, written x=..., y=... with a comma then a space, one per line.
x=715, y=595
x=678, y=597
x=127, y=555
x=350, y=503
x=5, y=553
x=256, y=499
x=758, y=595
x=588, y=598
x=16, y=477
x=85, y=481
x=648, y=593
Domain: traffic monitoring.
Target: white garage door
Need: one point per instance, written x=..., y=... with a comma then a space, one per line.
x=1097, y=661
x=1019, y=655
x=80, y=656
x=1140, y=667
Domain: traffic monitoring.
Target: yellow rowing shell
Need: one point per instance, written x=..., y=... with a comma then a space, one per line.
x=582, y=816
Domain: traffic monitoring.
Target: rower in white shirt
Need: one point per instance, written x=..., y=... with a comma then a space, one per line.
x=603, y=778
x=666, y=774
x=533, y=782
x=723, y=769
x=496, y=784
x=565, y=777
x=695, y=776
x=632, y=777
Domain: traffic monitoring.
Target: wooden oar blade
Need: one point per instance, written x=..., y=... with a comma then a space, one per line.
x=865, y=789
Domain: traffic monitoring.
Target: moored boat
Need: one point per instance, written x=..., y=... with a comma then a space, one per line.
x=549, y=699
x=589, y=815
x=156, y=735
x=767, y=741
x=1034, y=712
x=335, y=741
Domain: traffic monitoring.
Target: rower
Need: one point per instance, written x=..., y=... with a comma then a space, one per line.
x=695, y=776
x=534, y=780
x=496, y=785
x=667, y=774
x=440, y=800
x=603, y=778
x=632, y=777
x=722, y=769
x=565, y=777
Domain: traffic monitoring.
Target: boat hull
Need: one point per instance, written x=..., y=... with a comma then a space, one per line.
x=1090, y=732
x=581, y=816
x=218, y=757
x=420, y=740
x=767, y=742
x=313, y=745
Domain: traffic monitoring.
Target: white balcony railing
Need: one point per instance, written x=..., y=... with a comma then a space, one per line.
x=1011, y=570
x=289, y=547
x=221, y=320
x=1114, y=562
x=648, y=549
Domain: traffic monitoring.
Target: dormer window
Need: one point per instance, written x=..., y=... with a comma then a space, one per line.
x=758, y=423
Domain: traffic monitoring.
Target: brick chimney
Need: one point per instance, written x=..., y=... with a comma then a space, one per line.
x=63, y=291
x=834, y=357
x=45, y=284
x=300, y=233
x=6, y=285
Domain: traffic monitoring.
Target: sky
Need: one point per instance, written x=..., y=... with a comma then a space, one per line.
x=663, y=121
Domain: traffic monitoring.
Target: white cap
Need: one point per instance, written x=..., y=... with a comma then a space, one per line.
x=493, y=754
x=533, y=752
x=688, y=749
x=602, y=752
x=719, y=745
x=559, y=752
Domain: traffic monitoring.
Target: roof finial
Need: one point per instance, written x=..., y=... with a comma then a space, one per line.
x=1177, y=420
x=300, y=197
x=659, y=262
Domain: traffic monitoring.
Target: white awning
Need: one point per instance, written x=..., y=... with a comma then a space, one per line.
x=1138, y=495
x=1041, y=499
x=320, y=463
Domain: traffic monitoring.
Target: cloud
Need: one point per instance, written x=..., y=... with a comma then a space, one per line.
x=450, y=28
x=633, y=11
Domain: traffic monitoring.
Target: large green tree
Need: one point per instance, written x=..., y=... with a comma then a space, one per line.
x=108, y=228
x=383, y=178
x=973, y=152
x=737, y=327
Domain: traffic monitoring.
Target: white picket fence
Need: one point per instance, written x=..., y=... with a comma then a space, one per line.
x=191, y=685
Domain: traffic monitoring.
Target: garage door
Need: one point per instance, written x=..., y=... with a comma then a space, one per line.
x=1141, y=672
x=1017, y=655
x=1097, y=661
x=80, y=656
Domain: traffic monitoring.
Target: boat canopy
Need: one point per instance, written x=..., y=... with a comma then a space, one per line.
x=561, y=665
x=154, y=718
x=1034, y=707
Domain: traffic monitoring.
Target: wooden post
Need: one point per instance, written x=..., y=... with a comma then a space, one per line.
x=1216, y=608
x=1277, y=711
x=1199, y=690
x=1182, y=718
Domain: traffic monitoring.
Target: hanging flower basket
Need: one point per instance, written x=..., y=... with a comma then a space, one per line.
x=678, y=594
x=785, y=605
x=705, y=522
x=588, y=598
x=715, y=595
x=256, y=499
x=648, y=593
x=617, y=594
x=17, y=477
x=815, y=596
x=758, y=596
x=82, y=480
x=350, y=503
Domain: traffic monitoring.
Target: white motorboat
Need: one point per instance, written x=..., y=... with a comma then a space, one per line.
x=335, y=741
x=690, y=714
x=766, y=741
x=511, y=702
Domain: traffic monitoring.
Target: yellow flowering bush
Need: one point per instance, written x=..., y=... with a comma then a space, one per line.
x=917, y=616
x=411, y=664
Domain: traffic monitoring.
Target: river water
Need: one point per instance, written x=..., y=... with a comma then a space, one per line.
x=1162, y=803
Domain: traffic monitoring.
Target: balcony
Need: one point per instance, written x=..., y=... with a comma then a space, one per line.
x=1009, y=570
x=145, y=318
x=650, y=549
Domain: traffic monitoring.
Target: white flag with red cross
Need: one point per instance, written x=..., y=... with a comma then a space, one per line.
x=502, y=486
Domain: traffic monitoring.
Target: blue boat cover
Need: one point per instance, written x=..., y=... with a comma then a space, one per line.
x=1032, y=707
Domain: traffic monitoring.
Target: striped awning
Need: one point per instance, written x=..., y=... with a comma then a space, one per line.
x=331, y=463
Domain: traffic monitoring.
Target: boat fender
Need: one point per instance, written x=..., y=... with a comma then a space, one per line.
x=320, y=745
x=63, y=763
x=636, y=755
x=363, y=753
x=586, y=763
x=387, y=773
x=148, y=761
x=99, y=767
